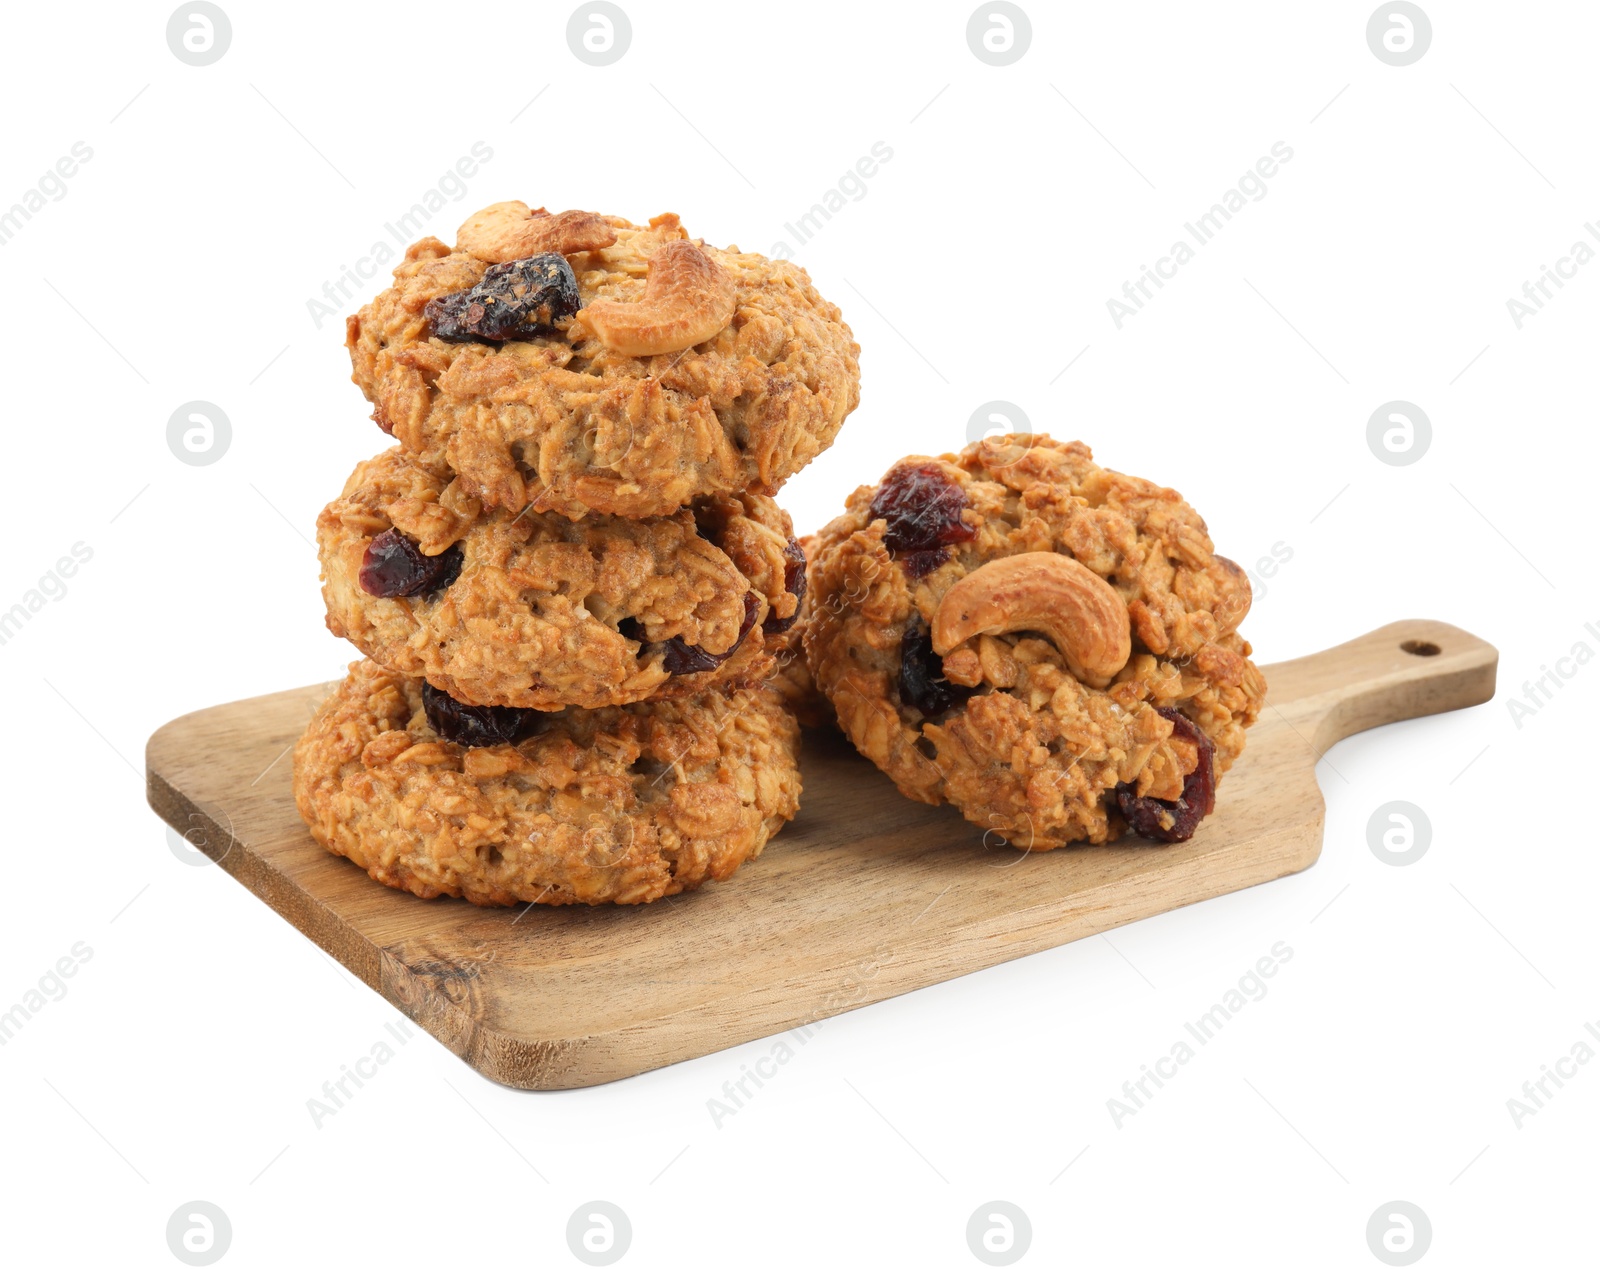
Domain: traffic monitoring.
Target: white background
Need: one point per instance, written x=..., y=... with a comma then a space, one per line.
x=178, y=266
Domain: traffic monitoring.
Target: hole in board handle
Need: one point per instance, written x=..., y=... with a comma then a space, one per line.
x=1420, y=648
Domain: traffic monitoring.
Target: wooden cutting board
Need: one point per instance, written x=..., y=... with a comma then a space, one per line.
x=864, y=896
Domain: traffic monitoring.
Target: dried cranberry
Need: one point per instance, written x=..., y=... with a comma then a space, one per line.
x=474, y=725
x=394, y=565
x=678, y=657
x=923, y=685
x=520, y=299
x=918, y=564
x=1149, y=817
x=794, y=581
x=923, y=507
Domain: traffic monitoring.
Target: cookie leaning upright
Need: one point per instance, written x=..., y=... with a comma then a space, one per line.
x=585, y=364
x=1050, y=646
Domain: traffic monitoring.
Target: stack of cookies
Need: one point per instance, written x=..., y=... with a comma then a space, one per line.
x=568, y=576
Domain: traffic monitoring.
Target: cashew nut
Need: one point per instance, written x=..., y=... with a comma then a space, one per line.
x=1054, y=594
x=510, y=231
x=1234, y=606
x=688, y=297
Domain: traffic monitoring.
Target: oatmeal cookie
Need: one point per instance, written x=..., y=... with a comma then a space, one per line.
x=619, y=805
x=612, y=367
x=1047, y=645
x=537, y=611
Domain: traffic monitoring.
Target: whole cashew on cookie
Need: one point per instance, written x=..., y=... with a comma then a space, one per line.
x=1075, y=609
x=503, y=232
x=688, y=297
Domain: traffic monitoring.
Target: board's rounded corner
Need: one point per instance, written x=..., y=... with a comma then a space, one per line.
x=516, y=1057
x=1311, y=854
x=164, y=736
x=539, y=1063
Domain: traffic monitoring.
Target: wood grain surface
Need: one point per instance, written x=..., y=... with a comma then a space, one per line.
x=864, y=896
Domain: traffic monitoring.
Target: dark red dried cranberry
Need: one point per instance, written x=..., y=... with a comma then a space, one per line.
x=923, y=507
x=394, y=566
x=521, y=299
x=679, y=657
x=794, y=581
x=923, y=685
x=475, y=725
x=918, y=564
x=1165, y=821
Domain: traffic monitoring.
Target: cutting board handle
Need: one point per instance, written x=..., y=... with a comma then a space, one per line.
x=1403, y=670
